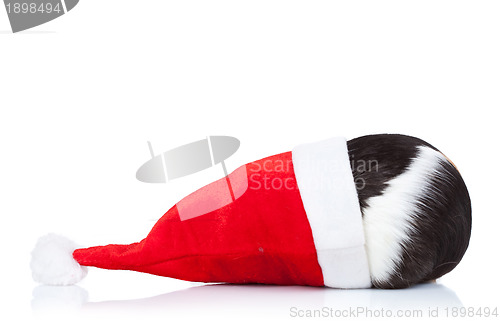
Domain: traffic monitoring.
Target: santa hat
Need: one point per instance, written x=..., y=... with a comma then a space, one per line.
x=295, y=219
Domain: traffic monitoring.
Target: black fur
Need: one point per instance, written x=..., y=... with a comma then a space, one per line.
x=442, y=232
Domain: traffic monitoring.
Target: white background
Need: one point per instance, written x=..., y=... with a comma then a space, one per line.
x=81, y=95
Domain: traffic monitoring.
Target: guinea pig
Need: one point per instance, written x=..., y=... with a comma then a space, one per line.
x=416, y=209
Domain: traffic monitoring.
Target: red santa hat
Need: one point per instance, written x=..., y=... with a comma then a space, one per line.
x=292, y=218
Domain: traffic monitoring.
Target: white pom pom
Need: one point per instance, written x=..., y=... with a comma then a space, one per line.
x=52, y=261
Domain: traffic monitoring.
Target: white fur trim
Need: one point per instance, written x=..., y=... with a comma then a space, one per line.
x=388, y=218
x=52, y=261
x=331, y=202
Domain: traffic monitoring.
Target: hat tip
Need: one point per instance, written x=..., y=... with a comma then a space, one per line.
x=52, y=261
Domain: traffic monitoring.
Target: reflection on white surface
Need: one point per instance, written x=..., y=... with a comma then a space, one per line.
x=58, y=298
x=247, y=301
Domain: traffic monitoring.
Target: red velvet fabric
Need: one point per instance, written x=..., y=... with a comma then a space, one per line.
x=261, y=237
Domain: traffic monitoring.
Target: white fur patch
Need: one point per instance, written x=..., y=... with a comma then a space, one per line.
x=388, y=218
x=52, y=261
